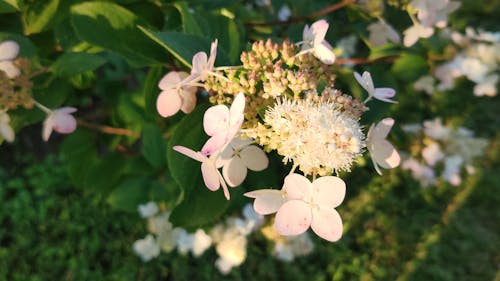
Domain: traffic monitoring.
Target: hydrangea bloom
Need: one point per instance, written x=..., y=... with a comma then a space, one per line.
x=382, y=152
x=383, y=94
x=313, y=40
x=175, y=96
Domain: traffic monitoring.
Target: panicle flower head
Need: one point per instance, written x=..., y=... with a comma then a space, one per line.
x=320, y=136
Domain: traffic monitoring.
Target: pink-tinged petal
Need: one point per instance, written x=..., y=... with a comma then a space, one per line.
x=168, y=103
x=10, y=69
x=377, y=168
x=327, y=224
x=9, y=50
x=64, y=123
x=237, y=143
x=254, y=158
x=307, y=37
x=213, y=54
x=297, y=187
x=324, y=53
x=188, y=101
x=199, y=63
x=213, y=144
x=210, y=175
x=65, y=110
x=7, y=132
x=190, y=153
x=385, y=155
x=328, y=191
x=47, y=127
x=171, y=79
x=267, y=201
x=224, y=186
x=237, y=109
x=367, y=77
x=293, y=218
x=384, y=94
x=381, y=130
x=216, y=119
x=234, y=171
x=319, y=29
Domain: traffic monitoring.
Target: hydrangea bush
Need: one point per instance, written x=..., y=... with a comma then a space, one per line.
x=166, y=103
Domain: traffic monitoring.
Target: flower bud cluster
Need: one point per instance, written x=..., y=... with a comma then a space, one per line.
x=16, y=91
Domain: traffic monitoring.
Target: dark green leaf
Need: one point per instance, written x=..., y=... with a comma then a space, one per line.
x=151, y=89
x=189, y=23
x=113, y=27
x=38, y=15
x=154, y=146
x=70, y=64
x=129, y=194
x=105, y=173
x=409, y=67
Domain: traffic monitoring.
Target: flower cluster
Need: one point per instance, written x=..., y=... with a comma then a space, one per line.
x=444, y=149
x=284, y=98
x=15, y=91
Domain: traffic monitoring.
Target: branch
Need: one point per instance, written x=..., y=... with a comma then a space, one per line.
x=107, y=129
x=365, y=61
x=291, y=20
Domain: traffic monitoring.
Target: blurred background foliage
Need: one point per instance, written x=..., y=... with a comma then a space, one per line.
x=68, y=208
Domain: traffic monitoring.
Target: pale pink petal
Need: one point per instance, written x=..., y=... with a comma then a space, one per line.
x=214, y=143
x=171, y=79
x=267, y=201
x=324, y=53
x=385, y=155
x=9, y=50
x=224, y=186
x=365, y=81
x=237, y=143
x=327, y=224
x=199, y=63
x=210, y=175
x=190, y=153
x=307, y=36
x=213, y=54
x=10, y=69
x=234, y=171
x=297, y=187
x=319, y=29
x=216, y=119
x=47, y=127
x=168, y=103
x=293, y=218
x=381, y=130
x=254, y=158
x=64, y=123
x=384, y=94
x=328, y=191
x=236, y=110
x=188, y=100
x=7, y=132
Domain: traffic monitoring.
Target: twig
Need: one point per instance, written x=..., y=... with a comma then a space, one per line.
x=107, y=129
x=38, y=72
x=291, y=20
x=365, y=61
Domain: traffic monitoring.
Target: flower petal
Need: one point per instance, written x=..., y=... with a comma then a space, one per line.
x=214, y=143
x=234, y=171
x=10, y=69
x=381, y=130
x=297, y=187
x=216, y=119
x=64, y=123
x=385, y=155
x=327, y=224
x=323, y=51
x=319, y=29
x=190, y=153
x=188, y=99
x=210, y=175
x=171, y=79
x=168, y=103
x=384, y=94
x=236, y=110
x=213, y=54
x=224, y=186
x=267, y=201
x=199, y=63
x=254, y=158
x=47, y=127
x=9, y=50
x=328, y=191
x=293, y=218
x=7, y=132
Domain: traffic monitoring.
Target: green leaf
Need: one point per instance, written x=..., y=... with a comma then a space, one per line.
x=79, y=151
x=184, y=46
x=70, y=64
x=409, y=67
x=226, y=31
x=105, y=173
x=153, y=146
x=113, y=27
x=38, y=15
x=151, y=89
x=189, y=23
x=129, y=194
x=200, y=205
x=8, y=6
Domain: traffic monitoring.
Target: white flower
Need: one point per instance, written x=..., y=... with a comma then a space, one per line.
x=382, y=94
x=232, y=250
x=146, y=248
x=6, y=131
x=313, y=40
x=239, y=156
x=426, y=84
x=424, y=174
x=8, y=52
x=252, y=218
x=436, y=130
x=487, y=87
x=175, y=95
x=383, y=152
x=201, y=242
x=416, y=31
x=201, y=65
x=148, y=210
x=289, y=247
x=381, y=33
x=59, y=120
x=185, y=242
x=159, y=223
x=432, y=154
x=434, y=12
x=452, y=166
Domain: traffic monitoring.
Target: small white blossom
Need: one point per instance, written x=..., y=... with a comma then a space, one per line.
x=426, y=84
x=6, y=131
x=432, y=154
x=148, y=210
x=8, y=52
x=146, y=248
x=381, y=33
